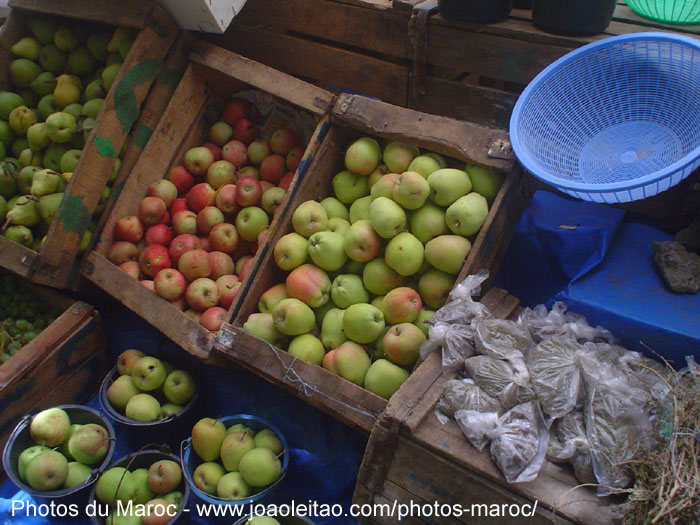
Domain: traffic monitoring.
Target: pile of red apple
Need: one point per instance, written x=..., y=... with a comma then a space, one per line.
x=197, y=230
x=370, y=264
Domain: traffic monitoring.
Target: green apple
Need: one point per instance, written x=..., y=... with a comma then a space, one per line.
x=116, y=484
x=402, y=344
x=290, y=251
x=309, y=217
x=47, y=471
x=262, y=326
x=338, y=225
x=77, y=474
x=398, y=156
x=401, y=305
x=148, y=373
x=23, y=71
x=92, y=107
x=427, y=222
x=142, y=492
x=466, y=215
x=179, y=387
x=262, y=520
x=207, y=436
x=74, y=109
x=170, y=409
x=272, y=297
x=424, y=316
x=8, y=102
x=362, y=156
x=239, y=427
x=363, y=323
x=207, y=475
x=447, y=185
x=347, y=289
x=232, y=486
x=359, y=210
x=379, y=278
x=332, y=334
x=69, y=160
x=81, y=62
x=50, y=427
x=60, y=126
x=434, y=287
x=164, y=476
x=447, y=252
x=267, y=438
x=95, y=90
x=38, y=137
x=388, y=218
x=404, y=253
x=334, y=208
x=321, y=311
x=260, y=467
x=21, y=119
x=26, y=456
x=486, y=182
x=378, y=302
x=326, y=250
x=47, y=105
x=384, y=187
x=362, y=243
x=377, y=174
x=349, y=361
x=355, y=267
x=308, y=348
x=89, y=444
x=349, y=186
x=425, y=165
x=293, y=317
x=410, y=190
x=52, y=59
x=53, y=155
x=384, y=378
x=175, y=497
x=142, y=407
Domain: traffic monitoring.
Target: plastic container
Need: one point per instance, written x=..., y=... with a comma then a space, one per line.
x=171, y=430
x=613, y=121
x=669, y=11
x=482, y=11
x=190, y=461
x=20, y=440
x=573, y=17
x=144, y=459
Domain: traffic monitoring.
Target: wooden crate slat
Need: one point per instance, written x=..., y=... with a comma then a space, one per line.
x=129, y=13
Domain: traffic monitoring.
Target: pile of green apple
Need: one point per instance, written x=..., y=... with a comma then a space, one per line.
x=371, y=263
x=22, y=316
x=247, y=462
x=149, y=389
x=59, y=78
x=197, y=230
x=65, y=454
x=154, y=493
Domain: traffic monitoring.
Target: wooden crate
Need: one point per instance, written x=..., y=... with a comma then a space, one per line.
x=353, y=116
x=212, y=77
x=412, y=457
x=55, y=264
x=60, y=365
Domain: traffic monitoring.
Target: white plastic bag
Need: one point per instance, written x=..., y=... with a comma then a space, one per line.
x=507, y=381
x=463, y=394
x=501, y=339
x=456, y=341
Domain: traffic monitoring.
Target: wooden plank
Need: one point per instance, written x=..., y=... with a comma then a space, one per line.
x=129, y=13
x=17, y=258
x=375, y=30
x=324, y=64
x=460, y=140
x=311, y=98
x=182, y=330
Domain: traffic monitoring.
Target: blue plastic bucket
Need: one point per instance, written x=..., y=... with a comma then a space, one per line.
x=144, y=459
x=190, y=461
x=20, y=439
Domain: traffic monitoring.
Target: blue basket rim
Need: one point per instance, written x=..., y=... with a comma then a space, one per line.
x=525, y=158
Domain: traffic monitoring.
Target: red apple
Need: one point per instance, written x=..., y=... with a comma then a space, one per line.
x=180, y=303
x=151, y=210
x=159, y=234
x=228, y=286
x=121, y=252
x=131, y=268
x=194, y=264
x=239, y=264
x=235, y=152
x=283, y=140
x=169, y=284
x=215, y=150
x=129, y=229
x=221, y=264
x=204, y=240
x=202, y=294
x=286, y=180
x=164, y=190
x=223, y=237
x=225, y=198
x=181, y=178
x=246, y=131
x=183, y=243
x=197, y=160
x=179, y=204
x=245, y=267
x=148, y=284
x=200, y=196
x=248, y=171
x=236, y=110
x=248, y=192
x=272, y=168
x=213, y=318
x=185, y=222
x=207, y=218
x=294, y=158
x=265, y=185
x=153, y=259
x=220, y=133
x=221, y=172
x=165, y=219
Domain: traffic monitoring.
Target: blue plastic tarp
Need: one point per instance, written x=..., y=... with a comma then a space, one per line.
x=600, y=262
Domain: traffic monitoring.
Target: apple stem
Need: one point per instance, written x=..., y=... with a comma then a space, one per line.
x=280, y=454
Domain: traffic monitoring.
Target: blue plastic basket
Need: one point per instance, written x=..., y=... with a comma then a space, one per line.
x=614, y=121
